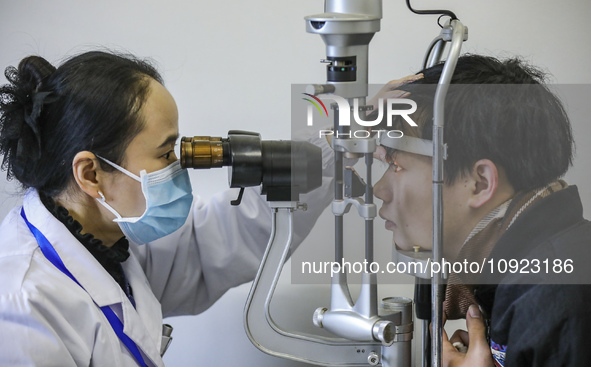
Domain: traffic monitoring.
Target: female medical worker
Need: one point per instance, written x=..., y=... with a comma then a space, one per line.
x=92, y=142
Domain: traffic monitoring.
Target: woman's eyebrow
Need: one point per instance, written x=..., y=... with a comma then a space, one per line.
x=170, y=140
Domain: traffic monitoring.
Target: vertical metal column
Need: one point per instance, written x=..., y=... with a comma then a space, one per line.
x=369, y=234
x=338, y=191
x=438, y=156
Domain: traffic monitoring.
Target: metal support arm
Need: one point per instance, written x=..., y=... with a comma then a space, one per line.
x=267, y=335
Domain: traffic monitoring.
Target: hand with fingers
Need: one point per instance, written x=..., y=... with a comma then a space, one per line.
x=478, y=352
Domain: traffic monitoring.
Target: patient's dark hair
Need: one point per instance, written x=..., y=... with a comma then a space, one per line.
x=91, y=102
x=497, y=110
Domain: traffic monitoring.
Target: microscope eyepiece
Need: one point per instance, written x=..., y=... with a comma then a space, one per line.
x=202, y=152
x=285, y=168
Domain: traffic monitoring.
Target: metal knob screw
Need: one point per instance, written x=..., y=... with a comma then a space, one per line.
x=373, y=359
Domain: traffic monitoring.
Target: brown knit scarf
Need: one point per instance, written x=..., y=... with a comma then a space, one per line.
x=480, y=242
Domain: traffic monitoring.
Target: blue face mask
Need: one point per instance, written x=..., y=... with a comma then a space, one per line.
x=168, y=196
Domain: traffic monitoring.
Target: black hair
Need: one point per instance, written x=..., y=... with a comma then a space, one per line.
x=91, y=102
x=497, y=110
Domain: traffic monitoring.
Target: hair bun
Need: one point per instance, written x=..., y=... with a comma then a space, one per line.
x=21, y=104
x=33, y=71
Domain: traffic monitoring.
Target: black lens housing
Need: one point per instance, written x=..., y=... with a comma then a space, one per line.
x=284, y=168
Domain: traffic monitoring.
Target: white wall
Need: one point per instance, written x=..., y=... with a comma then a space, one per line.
x=230, y=65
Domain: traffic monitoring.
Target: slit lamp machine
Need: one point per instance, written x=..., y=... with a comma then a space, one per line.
x=365, y=331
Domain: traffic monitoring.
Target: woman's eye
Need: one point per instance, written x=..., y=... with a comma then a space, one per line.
x=170, y=154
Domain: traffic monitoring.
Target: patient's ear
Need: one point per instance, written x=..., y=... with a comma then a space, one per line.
x=485, y=176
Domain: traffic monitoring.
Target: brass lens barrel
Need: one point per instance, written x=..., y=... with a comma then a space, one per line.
x=202, y=152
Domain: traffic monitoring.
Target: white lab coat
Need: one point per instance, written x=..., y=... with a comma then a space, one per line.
x=48, y=320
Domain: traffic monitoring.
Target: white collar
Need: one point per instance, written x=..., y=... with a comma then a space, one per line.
x=99, y=284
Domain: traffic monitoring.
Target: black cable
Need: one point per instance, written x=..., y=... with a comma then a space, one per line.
x=439, y=20
x=423, y=12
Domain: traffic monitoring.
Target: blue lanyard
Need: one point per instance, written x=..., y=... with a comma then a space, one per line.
x=55, y=259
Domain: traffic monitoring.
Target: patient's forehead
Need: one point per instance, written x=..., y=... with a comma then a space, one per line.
x=391, y=153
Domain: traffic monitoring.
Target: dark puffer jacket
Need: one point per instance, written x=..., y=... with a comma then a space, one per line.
x=542, y=318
